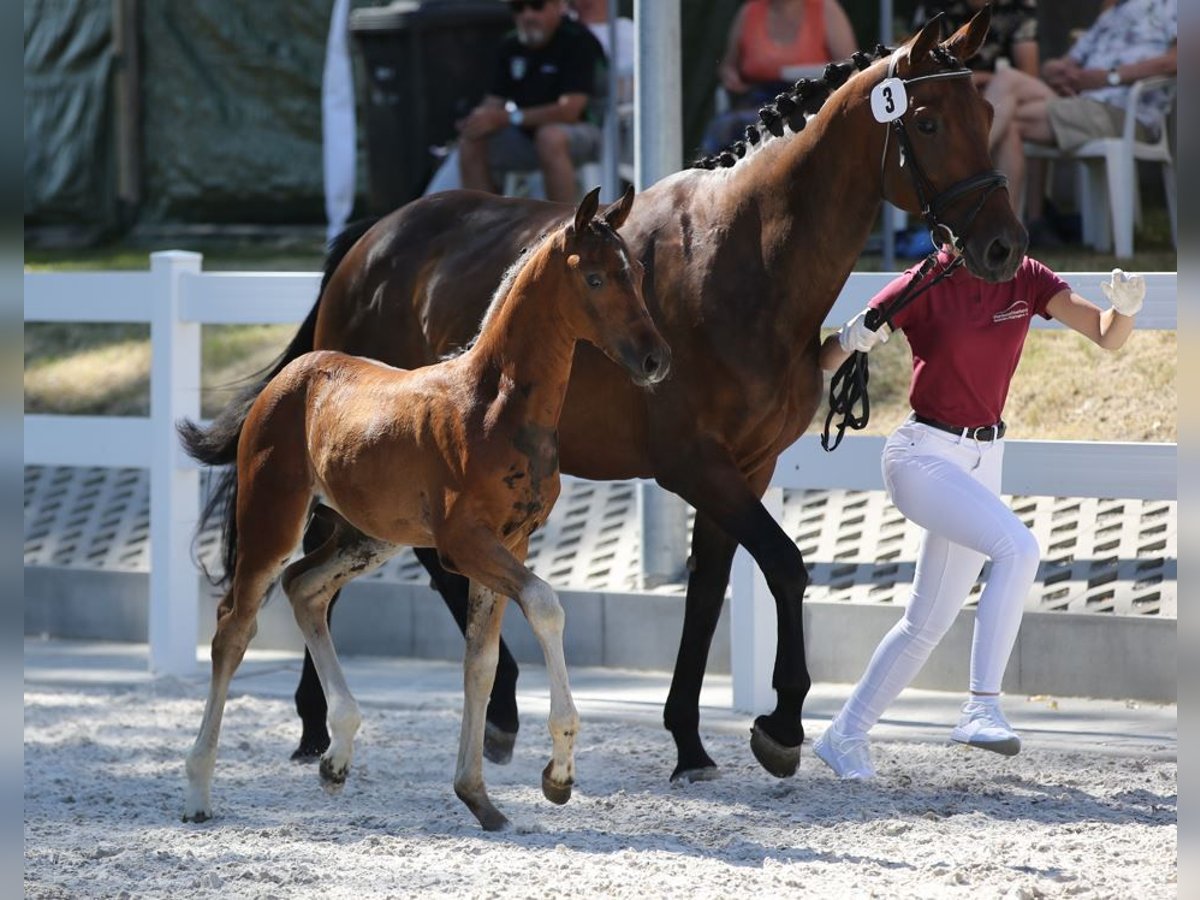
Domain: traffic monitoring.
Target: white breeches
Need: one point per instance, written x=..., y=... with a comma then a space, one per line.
x=948, y=485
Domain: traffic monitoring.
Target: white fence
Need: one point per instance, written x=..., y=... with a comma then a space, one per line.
x=176, y=298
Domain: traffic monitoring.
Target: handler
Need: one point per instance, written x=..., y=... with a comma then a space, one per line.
x=942, y=468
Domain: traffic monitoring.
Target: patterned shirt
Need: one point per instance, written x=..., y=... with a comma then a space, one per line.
x=1129, y=32
x=1013, y=22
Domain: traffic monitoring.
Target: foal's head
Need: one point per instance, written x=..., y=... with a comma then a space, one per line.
x=602, y=293
x=947, y=123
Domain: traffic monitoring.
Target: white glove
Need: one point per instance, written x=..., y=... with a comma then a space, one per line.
x=855, y=335
x=1126, y=293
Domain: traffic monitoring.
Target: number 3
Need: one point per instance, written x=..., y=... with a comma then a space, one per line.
x=887, y=95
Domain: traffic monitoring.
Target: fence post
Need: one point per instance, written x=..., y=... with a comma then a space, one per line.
x=752, y=626
x=174, y=489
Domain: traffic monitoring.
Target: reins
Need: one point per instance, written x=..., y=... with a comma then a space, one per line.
x=848, y=387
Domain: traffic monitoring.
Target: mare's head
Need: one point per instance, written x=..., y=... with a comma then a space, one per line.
x=946, y=164
x=602, y=294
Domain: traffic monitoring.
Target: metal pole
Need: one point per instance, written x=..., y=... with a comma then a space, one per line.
x=658, y=152
x=612, y=118
x=889, y=229
x=658, y=116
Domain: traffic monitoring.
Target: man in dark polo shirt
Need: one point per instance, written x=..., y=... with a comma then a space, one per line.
x=543, y=109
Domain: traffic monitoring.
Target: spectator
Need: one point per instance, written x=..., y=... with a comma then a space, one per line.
x=1006, y=71
x=594, y=14
x=543, y=108
x=771, y=44
x=1084, y=93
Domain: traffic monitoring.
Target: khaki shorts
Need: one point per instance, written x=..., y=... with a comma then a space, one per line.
x=1077, y=120
x=512, y=149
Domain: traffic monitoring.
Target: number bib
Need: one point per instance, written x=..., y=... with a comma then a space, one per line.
x=889, y=100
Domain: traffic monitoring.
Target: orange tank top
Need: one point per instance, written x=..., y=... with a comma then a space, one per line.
x=761, y=59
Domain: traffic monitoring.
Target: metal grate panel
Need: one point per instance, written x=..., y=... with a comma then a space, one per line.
x=1102, y=556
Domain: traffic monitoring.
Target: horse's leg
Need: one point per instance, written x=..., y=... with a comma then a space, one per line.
x=267, y=532
x=483, y=619
x=545, y=614
x=479, y=555
x=710, y=563
x=310, y=699
x=502, y=721
x=717, y=488
x=310, y=584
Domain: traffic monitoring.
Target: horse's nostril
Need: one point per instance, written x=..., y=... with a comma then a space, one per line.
x=998, y=253
x=651, y=364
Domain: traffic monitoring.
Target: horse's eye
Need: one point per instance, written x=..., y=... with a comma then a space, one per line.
x=595, y=280
x=927, y=126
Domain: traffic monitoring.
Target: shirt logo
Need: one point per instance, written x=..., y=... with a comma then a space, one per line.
x=517, y=66
x=1018, y=309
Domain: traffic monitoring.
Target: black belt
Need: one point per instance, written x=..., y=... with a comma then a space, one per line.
x=982, y=433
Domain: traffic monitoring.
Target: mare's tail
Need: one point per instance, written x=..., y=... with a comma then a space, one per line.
x=217, y=445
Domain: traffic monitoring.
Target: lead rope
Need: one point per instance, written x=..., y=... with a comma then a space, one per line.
x=848, y=387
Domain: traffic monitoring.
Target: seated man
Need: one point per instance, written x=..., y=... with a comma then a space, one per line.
x=543, y=108
x=1084, y=93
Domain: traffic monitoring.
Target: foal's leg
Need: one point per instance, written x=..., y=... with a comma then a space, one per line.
x=502, y=718
x=268, y=530
x=236, y=627
x=310, y=699
x=480, y=556
x=502, y=721
x=484, y=617
x=310, y=584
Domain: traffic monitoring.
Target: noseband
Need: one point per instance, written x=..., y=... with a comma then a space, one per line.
x=934, y=204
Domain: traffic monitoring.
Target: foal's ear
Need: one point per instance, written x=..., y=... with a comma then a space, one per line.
x=587, y=210
x=926, y=39
x=616, y=214
x=965, y=42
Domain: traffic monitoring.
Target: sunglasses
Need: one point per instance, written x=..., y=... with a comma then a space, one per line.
x=519, y=6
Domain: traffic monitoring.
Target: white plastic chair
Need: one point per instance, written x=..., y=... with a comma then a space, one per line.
x=1117, y=189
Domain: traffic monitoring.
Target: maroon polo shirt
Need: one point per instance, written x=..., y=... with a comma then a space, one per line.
x=966, y=337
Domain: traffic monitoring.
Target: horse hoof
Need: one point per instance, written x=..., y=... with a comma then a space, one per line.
x=691, y=776
x=773, y=756
x=309, y=752
x=200, y=815
x=331, y=775
x=494, y=821
x=498, y=744
x=555, y=791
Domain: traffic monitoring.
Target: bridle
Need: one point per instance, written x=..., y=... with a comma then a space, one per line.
x=934, y=204
x=848, y=388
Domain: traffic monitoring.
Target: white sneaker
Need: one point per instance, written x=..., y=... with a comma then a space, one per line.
x=983, y=725
x=848, y=756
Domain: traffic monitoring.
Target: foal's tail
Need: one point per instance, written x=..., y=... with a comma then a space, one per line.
x=217, y=444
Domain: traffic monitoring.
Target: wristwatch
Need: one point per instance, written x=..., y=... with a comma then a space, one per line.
x=1113, y=78
x=515, y=116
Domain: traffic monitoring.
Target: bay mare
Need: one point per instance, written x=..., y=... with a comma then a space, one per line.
x=461, y=456
x=743, y=262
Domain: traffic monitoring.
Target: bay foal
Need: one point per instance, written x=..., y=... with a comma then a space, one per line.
x=461, y=456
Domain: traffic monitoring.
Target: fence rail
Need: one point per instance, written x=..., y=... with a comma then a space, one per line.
x=176, y=298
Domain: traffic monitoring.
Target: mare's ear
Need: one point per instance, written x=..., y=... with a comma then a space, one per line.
x=926, y=39
x=587, y=210
x=616, y=214
x=965, y=42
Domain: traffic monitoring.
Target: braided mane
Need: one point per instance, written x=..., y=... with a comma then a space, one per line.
x=806, y=97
